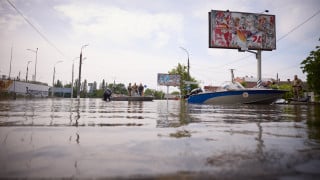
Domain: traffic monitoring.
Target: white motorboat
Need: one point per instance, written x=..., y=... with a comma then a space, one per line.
x=235, y=93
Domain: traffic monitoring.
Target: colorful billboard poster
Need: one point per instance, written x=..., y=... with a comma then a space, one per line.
x=239, y=30
x=168, y=79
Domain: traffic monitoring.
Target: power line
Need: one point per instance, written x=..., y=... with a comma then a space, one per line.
x=34, y=27
x=298, y=26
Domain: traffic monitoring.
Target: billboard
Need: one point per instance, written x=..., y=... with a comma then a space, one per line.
x=168, y=79
x=240, y=30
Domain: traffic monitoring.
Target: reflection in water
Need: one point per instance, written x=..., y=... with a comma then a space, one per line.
x=173, y=115
x=260, y=144
x=91, y=138
x=135, y=107
x=313, y=122
x=78, y=113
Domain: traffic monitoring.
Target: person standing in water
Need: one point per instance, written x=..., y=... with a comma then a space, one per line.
x=129, y=89
x=297, y=87
x=140, y=89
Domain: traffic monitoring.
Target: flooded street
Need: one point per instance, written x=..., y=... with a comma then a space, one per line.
x=91, y=138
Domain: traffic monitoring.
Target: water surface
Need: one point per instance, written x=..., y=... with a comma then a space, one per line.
x=91, y=138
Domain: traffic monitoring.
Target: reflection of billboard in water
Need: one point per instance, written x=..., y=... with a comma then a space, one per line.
x=236, y=30
x=168, y=79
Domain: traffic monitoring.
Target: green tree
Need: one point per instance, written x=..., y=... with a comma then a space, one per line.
x=156, y=94
x=287, y=87
x=75, y=86
x=58, y=84
x=177, y=93
x=311, y=66
x=182, y=71
x=67, y=85
x=118, y=88
x=103, y=84
x=84, y=89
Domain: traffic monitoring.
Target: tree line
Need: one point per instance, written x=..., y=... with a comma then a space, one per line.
x=95, y=90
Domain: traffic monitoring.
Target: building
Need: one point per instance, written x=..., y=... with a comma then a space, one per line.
x=24, y=88
x=210, y=88
x=61, y=92
x=250, y=82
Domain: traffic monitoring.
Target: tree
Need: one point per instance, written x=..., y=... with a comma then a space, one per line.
x=311, y=66
x=156, y=94
x=182, y=71
x=177, y=93
x=67, y=85
x=103, y=84
x=84, y=89
x=75, y=85
x=118, y=88
x=94, y=86
x=58, y=84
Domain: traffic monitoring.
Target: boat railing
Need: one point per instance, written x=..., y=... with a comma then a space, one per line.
x=230, y=86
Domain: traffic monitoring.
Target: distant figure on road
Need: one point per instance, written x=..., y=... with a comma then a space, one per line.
x=297, y=87
x=140, y=89
x=107, y=94
x=135, y=89
x=129, y=89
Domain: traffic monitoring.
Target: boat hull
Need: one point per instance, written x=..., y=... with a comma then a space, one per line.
x=247, y=96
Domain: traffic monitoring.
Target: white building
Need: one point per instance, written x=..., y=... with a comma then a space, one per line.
x=24, y=88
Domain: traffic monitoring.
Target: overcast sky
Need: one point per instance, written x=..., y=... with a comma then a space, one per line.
x=133, y=40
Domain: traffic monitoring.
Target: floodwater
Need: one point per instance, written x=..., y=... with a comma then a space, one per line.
x=91, y=138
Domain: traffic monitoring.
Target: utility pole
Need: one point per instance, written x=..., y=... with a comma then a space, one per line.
x=188, y=62
x=72, y=79
x=79, y=80
x=27, y=70
x=232, y=75
x=54, y=74
x=35, y=65
x=10, y=61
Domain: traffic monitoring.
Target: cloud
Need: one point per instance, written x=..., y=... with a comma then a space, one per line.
x=10, y=22
x=120, y=25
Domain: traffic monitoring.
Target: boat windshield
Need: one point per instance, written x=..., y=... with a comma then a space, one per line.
x=229, y=86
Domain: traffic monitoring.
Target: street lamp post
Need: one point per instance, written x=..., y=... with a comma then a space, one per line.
x=35, y=65
x=188, y=62
x=73, y=74
x=79, y=79
x=54, y=74
x=27, y=70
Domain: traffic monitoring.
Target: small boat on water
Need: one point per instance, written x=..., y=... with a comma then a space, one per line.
x=300, y=100
x=109, y=96
x=131, y=98
x=235, y=93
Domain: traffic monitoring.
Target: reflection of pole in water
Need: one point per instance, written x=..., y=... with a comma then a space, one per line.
x=78, y=113
x=260, y=144
x=183, y=114
x=163, y=112
x=78, y=138
x=78, y=117
x=70, y=111
x=52, y=112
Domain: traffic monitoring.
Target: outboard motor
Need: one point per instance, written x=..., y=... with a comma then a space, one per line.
x=107, y=94
x=194, y=91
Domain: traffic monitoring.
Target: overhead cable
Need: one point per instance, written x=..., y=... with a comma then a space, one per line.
x=298, y=26
x=34, y=27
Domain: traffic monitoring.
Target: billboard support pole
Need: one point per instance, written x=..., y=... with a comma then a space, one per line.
x=258, y=56
x=167, y=92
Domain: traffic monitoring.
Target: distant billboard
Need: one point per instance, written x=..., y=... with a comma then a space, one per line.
x=168, y=79
x=240, y=30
